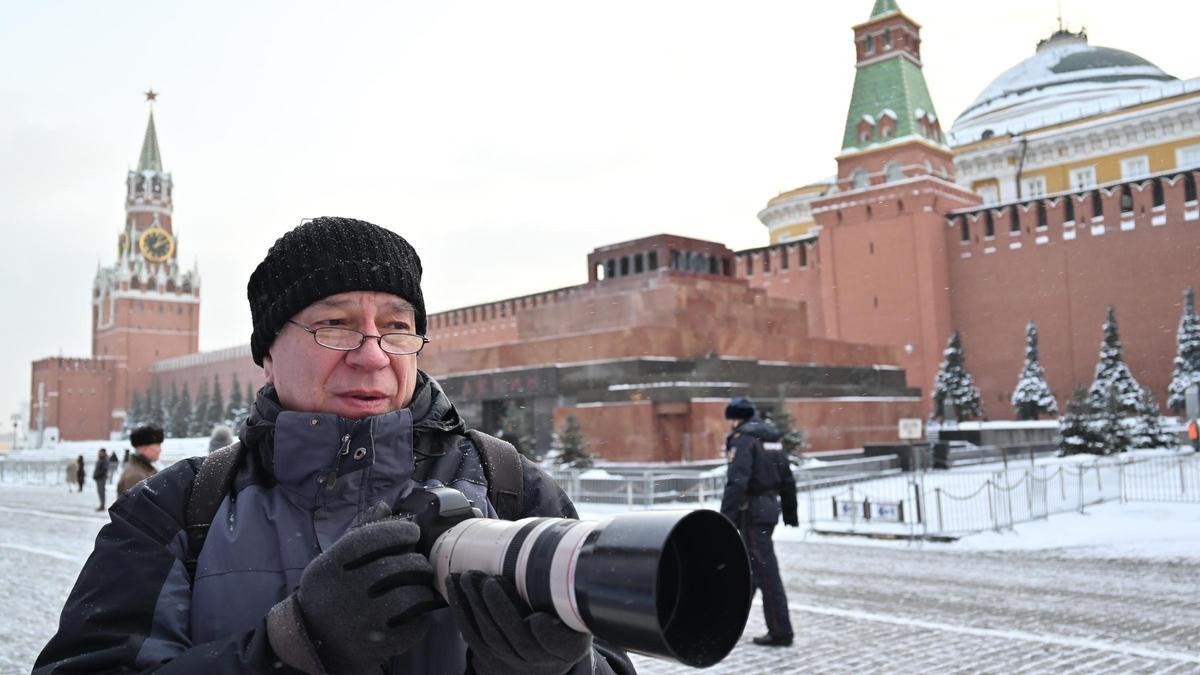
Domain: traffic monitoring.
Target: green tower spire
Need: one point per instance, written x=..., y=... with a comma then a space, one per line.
x=890, y=101
x=883, y=7
x=150, y=159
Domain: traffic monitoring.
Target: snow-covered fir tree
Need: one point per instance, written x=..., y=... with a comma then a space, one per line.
x=199, y=410
x=1112, y=373
x=1032, y=396
x=1187, y=357
x=170, y=406
x=1109, y=422
x=512, y=429
x=954, y=384
x=154, y=405
x=216, y=408
x=1147, y=431
x=793, y=438
x=1075, y=433
x=235, y=410
x=181, y=414
x=571, y=446
x=137, y=411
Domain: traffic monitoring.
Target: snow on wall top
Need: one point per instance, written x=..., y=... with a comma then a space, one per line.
x=1065, y=79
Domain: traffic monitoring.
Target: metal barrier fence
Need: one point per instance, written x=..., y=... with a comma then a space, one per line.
x=962, y=502
x=869, y=492
x=646, y=488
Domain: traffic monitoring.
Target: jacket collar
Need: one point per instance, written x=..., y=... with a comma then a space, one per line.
x=320, y=457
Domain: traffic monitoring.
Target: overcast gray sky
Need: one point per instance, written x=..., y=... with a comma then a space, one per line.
x=505, y=140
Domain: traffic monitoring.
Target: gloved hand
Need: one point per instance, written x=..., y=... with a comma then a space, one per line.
x=790, y=519
x=505, y=636
x=361, y=602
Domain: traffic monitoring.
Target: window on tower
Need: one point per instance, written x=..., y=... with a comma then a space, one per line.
x=887, y=38
x=868, y=45
x=893, y=172
x=860, y=179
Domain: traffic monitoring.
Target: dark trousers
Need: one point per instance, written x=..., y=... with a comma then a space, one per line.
x=765, y=574
x=100, y=484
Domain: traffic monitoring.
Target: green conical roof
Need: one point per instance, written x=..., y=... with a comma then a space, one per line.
x=883, y=7
x=150, y=160
x=891, y=86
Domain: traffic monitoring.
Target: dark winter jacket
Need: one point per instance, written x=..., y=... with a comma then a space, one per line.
x=100, y=473
x=138, y=468
x=758, y=477
x=134, y=610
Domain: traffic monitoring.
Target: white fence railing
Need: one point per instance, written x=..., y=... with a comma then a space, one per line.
x=869, y=493
x=961, y=502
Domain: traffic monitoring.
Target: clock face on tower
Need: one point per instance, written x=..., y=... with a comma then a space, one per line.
x=156, y=244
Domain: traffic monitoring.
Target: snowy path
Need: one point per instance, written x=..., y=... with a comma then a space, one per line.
x=866, y=609
x=855, y=608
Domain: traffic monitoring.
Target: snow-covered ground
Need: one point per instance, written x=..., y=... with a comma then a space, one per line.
x=1113, y=586
x=1144, y=531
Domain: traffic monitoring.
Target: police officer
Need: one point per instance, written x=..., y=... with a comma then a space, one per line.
x=759, y=476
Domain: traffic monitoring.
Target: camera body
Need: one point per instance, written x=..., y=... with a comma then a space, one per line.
x=435, y=510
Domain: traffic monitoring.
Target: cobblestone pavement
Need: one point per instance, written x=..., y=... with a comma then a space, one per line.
x=856, y=609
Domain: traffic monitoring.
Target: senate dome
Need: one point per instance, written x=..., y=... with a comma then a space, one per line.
x=1065, y=79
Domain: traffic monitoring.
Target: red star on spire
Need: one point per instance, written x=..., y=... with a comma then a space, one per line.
x=151, y=95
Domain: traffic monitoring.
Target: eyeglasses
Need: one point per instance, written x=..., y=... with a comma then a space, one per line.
x=348, y=339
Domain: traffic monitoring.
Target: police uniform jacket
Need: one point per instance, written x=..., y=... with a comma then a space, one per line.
x=759, y=476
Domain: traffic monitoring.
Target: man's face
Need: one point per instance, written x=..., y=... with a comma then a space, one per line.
x=151, y=452
x=355, y=384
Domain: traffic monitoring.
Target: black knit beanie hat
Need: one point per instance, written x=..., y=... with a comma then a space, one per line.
x=324, y=257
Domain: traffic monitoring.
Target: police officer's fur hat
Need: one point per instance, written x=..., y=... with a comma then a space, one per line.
x=740, y=408
x=147, y=435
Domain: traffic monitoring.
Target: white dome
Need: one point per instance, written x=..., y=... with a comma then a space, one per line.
x=1065, y=79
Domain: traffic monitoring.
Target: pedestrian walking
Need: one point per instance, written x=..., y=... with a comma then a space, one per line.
x=758, y=479
x=80, y=473
x=114, y=465
x=72, y=472
x=100, y=475
x=147, y=447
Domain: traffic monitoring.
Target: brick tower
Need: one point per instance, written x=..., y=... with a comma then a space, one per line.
x=144, y=307
x=884, y=271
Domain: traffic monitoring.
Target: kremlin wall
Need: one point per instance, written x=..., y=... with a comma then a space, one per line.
x=1068, y=186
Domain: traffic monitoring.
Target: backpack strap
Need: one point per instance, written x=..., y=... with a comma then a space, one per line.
x=502, y=468
x=213, y=481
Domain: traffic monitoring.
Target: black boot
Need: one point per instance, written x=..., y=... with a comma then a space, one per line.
x=769, y=640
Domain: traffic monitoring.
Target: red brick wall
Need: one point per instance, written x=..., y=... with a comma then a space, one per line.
x=672, y=432
x=799, y=282
x=883, y=269
x=78, y=396
x=1065, y=286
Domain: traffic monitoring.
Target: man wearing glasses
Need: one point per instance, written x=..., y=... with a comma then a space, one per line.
x=302, y=568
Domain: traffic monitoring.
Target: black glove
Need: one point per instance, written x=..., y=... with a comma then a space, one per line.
x=361, y=602
x=505, y=636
